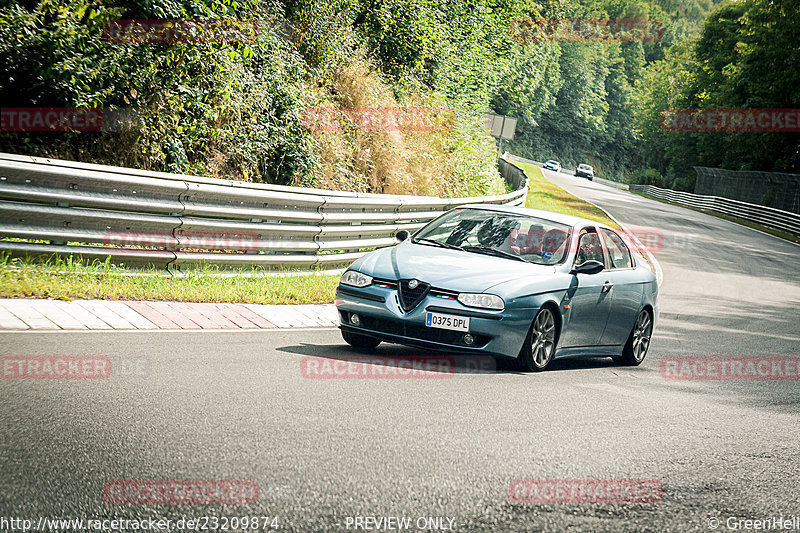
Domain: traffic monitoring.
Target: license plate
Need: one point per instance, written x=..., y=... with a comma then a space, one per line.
x=455, y=323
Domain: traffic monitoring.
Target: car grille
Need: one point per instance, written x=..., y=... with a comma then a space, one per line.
x=436, y=292
x=410, y=298
x=394, y=327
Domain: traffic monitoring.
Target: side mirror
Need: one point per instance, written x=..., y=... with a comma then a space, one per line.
x=402, y=235
x=589, y=267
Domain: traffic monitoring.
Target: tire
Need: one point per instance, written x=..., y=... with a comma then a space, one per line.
x=638, y=342
x=360, y=341
x=540, y=344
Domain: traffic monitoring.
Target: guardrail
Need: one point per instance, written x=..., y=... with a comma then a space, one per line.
x=766, y=216
x=143, y=218
x=778, y=190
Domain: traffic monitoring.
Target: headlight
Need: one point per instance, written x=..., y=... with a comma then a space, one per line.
x=355, y=279
x=486, y=301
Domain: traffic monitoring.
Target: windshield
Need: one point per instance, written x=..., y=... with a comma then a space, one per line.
x=551, y=162
x=510, y=235
x=585, y=167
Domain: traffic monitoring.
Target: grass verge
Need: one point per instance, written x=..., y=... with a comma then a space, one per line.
x=69, y=279
x=776, y=232
x=543, y=194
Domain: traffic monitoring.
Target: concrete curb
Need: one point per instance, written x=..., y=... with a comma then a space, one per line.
x=84, y=315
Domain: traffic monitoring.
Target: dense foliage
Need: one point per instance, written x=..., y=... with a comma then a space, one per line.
x=747, y=56
x=603, y=102
x=240, y=109
x=579, y=98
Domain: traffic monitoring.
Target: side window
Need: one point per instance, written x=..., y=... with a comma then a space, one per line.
x=589, y=248
x=618, y=252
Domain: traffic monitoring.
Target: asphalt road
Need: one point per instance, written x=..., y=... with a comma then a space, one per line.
x=236, y=406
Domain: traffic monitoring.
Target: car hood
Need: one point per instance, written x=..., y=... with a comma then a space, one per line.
x=446, y=269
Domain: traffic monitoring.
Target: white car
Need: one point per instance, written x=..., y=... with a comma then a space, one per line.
x=553, y=165
x=584, y=171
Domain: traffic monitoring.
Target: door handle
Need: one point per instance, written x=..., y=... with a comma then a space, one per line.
x=607, y=286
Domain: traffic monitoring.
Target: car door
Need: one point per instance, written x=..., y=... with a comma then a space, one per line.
x=588, y=297
x=626, y=293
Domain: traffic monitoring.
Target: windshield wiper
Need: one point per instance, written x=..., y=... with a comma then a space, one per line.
x=437, y=243
x=494, y=251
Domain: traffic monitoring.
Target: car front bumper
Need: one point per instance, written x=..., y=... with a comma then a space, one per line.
x=495, y=333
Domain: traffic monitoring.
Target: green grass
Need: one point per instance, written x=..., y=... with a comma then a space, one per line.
x=543, y=194
x=69, y=279
x=776, y=232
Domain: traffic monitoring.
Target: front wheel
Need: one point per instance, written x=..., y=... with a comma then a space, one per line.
x=540, y=344
x=638, y=342
x=360, y=341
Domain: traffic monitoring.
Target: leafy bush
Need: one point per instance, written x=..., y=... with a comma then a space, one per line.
x=648, y=176
x=237, y=110
x=228, y=110
x=449, y=155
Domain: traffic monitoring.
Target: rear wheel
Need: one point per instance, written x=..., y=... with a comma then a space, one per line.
x=360, y=341
x=540, y=344
x=638, y=342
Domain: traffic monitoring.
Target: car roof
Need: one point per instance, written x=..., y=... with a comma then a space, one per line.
x=568, y=220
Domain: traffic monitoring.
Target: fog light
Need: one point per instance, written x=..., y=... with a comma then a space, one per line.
x=355, y=319
x=469, y=339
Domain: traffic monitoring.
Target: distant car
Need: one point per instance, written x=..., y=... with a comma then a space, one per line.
x=584, y=171
x=509, y=282
x=553, y=165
